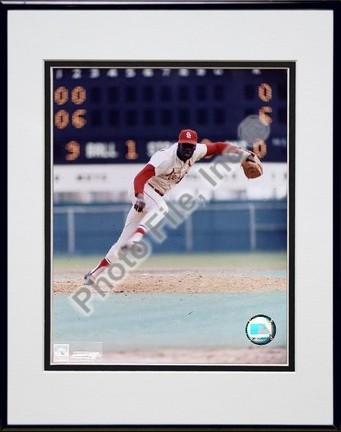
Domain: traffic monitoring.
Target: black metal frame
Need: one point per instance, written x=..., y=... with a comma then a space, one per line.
x=334, y=6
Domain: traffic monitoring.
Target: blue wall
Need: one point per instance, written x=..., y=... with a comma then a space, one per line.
x=219, y=227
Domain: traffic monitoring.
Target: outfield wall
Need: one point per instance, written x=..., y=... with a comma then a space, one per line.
x=220, y=226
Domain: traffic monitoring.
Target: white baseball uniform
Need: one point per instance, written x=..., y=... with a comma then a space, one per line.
x=169, y=171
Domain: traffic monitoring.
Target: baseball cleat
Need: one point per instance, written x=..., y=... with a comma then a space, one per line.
x=88, y=279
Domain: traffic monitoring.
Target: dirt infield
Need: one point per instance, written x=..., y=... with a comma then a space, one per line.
x=189, y=282
x=186, y=281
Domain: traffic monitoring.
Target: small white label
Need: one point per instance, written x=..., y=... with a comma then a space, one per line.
x=61, y=352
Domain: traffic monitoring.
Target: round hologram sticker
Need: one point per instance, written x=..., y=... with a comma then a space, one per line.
x=260, y=329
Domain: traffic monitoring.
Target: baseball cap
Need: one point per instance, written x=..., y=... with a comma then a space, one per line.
x=188, y=136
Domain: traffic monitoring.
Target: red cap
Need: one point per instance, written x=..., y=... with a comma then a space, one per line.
x=188, y=136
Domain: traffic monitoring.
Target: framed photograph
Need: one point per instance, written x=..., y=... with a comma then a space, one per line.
x=172, y=211
x=223, y=234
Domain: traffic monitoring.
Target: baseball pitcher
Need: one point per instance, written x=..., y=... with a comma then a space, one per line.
x=164, y=171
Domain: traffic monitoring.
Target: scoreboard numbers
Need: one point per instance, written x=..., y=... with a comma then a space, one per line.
x=122, y=115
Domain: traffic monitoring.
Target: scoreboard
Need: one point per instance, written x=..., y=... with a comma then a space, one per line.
x=123, y=114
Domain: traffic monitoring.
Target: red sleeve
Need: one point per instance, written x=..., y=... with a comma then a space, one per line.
x=142, y=177
x=221, y=147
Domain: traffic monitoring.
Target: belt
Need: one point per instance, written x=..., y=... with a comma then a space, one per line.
x=156, y=190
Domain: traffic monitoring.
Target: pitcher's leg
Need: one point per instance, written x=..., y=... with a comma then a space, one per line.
x=130, y=226
x=131, y=223
x=154, y=212
x=136, y=225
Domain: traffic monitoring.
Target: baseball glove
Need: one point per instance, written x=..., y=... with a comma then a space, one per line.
x=252, y=166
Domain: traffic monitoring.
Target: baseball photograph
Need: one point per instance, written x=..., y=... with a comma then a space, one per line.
x=169, y=188
x=170, y=205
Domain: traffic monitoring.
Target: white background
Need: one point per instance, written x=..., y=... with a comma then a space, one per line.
x=300, y=397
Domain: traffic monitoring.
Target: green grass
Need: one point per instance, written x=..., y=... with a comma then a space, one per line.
x=256, y=260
